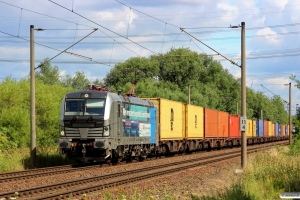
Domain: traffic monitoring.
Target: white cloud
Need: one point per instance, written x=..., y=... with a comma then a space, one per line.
x=13, y=52
x=126, y=16
x=270, y=37
x=231, y=11
x=275, y=3
x=279, y=81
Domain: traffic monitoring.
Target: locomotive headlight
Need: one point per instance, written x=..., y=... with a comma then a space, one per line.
x=62, y=133
x=62, y=130
x=106, y=131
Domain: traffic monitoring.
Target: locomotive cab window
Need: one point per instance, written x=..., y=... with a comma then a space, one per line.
x=94, y=107
x=74, y=106
x=84, y=106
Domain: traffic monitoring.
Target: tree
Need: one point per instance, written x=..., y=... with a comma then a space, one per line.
x=168, y=76
x=48, y=74
x=78, y=82
x=15, y=111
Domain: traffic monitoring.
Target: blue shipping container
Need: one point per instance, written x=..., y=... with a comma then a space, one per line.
x=276, y=129
x=279, y=130
x=259, y=128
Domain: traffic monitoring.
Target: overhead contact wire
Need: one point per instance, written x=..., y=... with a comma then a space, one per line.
x=232, y=62
x=128, y=23
x=162, y=45
x=112, y=49
x=20, y=22
x=76, y=55
x=70, y=47
x=106, y=29
x=146, y=14
x=44, y=14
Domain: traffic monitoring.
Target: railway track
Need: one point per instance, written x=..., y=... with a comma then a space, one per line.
x=48, y=171
x=78, y=187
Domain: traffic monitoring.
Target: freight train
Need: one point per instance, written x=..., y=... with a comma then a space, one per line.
x=97, y=125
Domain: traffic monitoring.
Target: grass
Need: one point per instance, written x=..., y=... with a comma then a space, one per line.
x=19, y=159
x=267, y=175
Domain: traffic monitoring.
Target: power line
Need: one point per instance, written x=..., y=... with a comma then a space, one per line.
x=103, y=27
x=205, y=13
x=205, y=39
x=147, y=14
x=69, y=48
x=276, y=94
x=84, y=57
x=173, y=34
x=232, y=62
x=43, y=14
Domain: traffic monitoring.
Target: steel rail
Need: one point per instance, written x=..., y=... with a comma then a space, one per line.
x=87, y=185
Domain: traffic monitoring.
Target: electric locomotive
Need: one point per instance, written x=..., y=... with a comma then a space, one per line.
x=97, y=125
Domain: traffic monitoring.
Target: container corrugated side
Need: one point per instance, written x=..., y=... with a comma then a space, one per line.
x=234, y=126
x=279, y=130
x=271, y=129
x=211, y=123
x=249, y=128
x=194, y=122
x=266, y=128
x=223, y=124
x=282, y=130
x=171, y=119
x=260, y=128
x=254, y=128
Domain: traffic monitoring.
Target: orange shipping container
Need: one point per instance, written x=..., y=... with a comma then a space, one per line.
x=223, y=124
x=266, y=128
x=282, y=130
x=234, y=126
x=215, y=123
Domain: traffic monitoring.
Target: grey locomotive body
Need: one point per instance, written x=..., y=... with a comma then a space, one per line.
x=96, y=125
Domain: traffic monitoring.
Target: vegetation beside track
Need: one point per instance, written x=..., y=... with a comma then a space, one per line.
x=19, y=159
x=266, y=176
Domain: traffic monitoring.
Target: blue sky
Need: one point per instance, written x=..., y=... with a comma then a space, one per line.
x=272, y=35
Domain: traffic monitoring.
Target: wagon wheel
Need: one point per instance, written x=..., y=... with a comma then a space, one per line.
x=200, y=146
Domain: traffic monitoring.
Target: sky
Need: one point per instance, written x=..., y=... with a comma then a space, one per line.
x=141, y=28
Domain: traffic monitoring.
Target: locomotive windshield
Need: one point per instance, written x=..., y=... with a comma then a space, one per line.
x=84, y=106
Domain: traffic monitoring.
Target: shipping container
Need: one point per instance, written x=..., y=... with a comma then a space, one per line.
x=171, y=118
x=194, y=122
x=266, y=128
x=282, y=130
x=223, y=124
x=234, y=126
x=260, y=128
x=254, y=128
x=286, y=129
x=249, y=128
x=271, y=129
x=275, y=129
x=211, y=123
x=279, y=130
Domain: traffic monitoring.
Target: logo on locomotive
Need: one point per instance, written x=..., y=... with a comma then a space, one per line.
x=136, y=121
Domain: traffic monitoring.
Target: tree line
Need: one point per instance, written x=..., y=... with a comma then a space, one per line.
x=166, y=76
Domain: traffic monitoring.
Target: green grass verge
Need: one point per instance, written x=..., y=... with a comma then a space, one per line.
x=266, y=176
x=19, y=159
